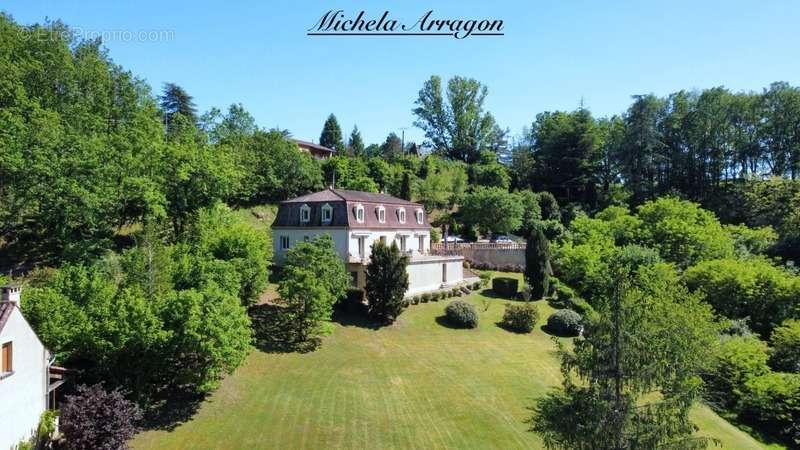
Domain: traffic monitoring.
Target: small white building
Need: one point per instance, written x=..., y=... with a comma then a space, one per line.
x=24, y=373
x=355, y=220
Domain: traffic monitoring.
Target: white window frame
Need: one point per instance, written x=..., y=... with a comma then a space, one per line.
x=381, y=212
x=359, y=213
x=420, y=216
x=284, y=242
x=327, y=213
x=305, y=214
x=401, y=215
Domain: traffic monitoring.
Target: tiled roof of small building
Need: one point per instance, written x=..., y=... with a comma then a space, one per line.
x=6, y=308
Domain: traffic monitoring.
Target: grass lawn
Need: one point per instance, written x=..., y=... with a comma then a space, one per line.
x=416, y=384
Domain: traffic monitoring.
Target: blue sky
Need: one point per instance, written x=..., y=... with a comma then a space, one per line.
x=554, y=53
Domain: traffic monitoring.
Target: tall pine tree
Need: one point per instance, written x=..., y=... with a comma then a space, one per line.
x=356, y=144
x=331, y=136
x=175, y=100
x=405, y=187
x=537, y=264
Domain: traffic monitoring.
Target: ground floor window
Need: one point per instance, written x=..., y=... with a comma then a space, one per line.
x=354, y=275
x=421, y=244
x=284, y=242
x=6, y=362
x=402, y=243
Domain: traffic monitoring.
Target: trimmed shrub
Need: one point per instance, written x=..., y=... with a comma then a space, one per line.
x=554, y=282
x=506, y=287
x=461, y=314
x=565, y=322
x=454, y=292
x=476, y=285
x=564, y=292
x=773, y=400
x=520, y=318
x=426, y=297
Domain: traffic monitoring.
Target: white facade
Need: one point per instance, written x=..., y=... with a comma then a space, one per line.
x=23, y=391
x=432, y=273
x=350, y=243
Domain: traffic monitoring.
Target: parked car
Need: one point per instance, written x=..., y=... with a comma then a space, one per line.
x=502, y=239
x=453, y=239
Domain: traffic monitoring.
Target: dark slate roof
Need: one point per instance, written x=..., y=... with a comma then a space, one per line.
x=344, y=203
x=311, y=145
x=6, y=308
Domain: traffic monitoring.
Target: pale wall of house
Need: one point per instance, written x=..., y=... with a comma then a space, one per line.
x=339, y=236
x=23, y=395
x=346, y=241
x=424, y=276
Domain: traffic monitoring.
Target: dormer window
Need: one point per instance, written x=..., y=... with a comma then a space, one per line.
x=305, y=214
x=359, y=213
x=327, y=213
x=401, y=215
x=381, y=211
x=419, y=216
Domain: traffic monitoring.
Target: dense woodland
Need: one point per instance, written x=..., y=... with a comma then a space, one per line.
x=115, y=208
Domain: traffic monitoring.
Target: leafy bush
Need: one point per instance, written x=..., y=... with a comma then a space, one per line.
x=753, y=288
x=485, y=277
x=564, y=322
x=564, y=293
x=98, y=419
x=785, y=342
x=506, y=287
x=426, y=297
x=581, y=307
x=520, y=318
x=461, y=314
x=416, y=300
x=736, y=361
x=476, y=285
x=454, y=292
x=683, y=232
x=554, y=282
x=773, y=400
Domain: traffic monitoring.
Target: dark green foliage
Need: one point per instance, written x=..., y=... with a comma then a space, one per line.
x=98, y=419
x=355, y=145
x=565, y=322
x=632, y=379
x=785, y=341
x=773, y=401
x=537, y=264
x=354, y=300
x=426, y=297
x=520, y=318
x=492, y=210
x=461, y=314
x=331, y=135
x=387, y=281
x=405, y=187
x=505, y=287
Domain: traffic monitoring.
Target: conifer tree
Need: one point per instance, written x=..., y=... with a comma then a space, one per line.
x=356, y=144
x=387, y=282
x=405, y=187
x=331, y=136
x=537, y=264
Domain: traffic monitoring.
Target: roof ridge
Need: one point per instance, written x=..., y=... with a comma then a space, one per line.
x=334, y=190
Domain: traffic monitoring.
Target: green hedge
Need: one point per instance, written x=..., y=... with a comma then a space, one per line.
x=461, y=314
x=505, y=287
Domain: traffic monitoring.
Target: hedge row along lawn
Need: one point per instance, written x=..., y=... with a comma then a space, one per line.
x=416, y=384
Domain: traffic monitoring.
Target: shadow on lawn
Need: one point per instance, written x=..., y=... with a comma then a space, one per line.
x=175, y=408
x=274, y=333
x=355, y=319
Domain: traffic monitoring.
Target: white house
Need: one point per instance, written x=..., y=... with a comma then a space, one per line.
x=355, y=220
x=24, y=373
